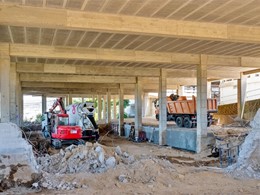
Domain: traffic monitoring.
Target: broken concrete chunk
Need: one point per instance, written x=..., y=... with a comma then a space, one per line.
x=123, y=178
x=118, y=151
x=111, y=162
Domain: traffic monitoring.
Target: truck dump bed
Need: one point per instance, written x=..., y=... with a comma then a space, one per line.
x=184, y=106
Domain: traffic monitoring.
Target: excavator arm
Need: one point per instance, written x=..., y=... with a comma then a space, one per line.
x=59, y=103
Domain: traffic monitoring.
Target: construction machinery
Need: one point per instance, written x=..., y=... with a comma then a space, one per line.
x=183, y=111
x=56, y=127
x=82, y=114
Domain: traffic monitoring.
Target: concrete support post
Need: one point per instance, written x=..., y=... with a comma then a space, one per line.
x=114, y=108
x=69, y=99
x=146, y=106
x=239, y=97
x=180, y=89
x=242, y=95
x=99, y=107
x=19, y=101
x=209, y=89
x=162, y=102
x=108, y=119
x=44, y=103
x=201, y=101
x=104, y=108
x=138, y=107
x=5, y=83
x=121, y=109
x=13, y=94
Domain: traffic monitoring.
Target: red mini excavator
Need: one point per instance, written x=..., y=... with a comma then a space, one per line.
x=55, y=126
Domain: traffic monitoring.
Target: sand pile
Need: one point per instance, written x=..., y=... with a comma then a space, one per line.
x=248, y=163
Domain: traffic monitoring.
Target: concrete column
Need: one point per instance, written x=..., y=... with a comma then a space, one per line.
x=44, y=103
x=121, y=109
x=162, y=102
x=69, y=99
x=138, y=107
x=241, y=95
x=209, y=89
x=13, y=94
x=5, y=83
x=145, y=104
x=180, y=89
x=201, y=101
x=104, y=108
x=108, y=119
x=99, y=107
x=114, y=108
x=19, y=101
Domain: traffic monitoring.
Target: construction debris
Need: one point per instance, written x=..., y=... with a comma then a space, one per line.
x=255, y=124
x=18, y=166
x=79, y=159
x=248, y=163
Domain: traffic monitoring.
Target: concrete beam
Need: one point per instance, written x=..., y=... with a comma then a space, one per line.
x=69, y=85
x=101, y=22
x=85, y=69
x=39, y=51
x=61, y=52
x=75, y=78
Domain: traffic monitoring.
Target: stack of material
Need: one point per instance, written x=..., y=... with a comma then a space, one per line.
x=17, y=163
x=248, y=163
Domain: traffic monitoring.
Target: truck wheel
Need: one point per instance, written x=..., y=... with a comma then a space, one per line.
x=187, y=122
x=179, y=121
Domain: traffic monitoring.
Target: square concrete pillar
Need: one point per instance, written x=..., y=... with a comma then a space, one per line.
x=201, y=101
x=138, y=106
x=108, y=119
x=114, y=108
x=44, y=103
x=209, y=89
x=121, y=109
x=241, y=95
x=104, y=108
x=162, y=103
x=5, y=67
x=99, y=107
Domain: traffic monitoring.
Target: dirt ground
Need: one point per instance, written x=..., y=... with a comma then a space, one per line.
x=152, y=174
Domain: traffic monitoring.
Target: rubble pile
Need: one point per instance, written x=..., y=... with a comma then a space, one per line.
x=248, y=163
x=88, y=159
x=255, y=124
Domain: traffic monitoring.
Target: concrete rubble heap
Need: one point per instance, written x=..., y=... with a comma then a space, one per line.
x=86, y=159
x=17, y=163
x=248, y=163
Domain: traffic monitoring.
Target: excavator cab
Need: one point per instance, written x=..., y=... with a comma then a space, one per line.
x=56, y=127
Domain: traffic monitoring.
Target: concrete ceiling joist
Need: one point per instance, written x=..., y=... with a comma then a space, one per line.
x=92, y=21
x=37, y=51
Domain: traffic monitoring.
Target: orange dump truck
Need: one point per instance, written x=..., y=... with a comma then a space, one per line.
x=183, y=111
